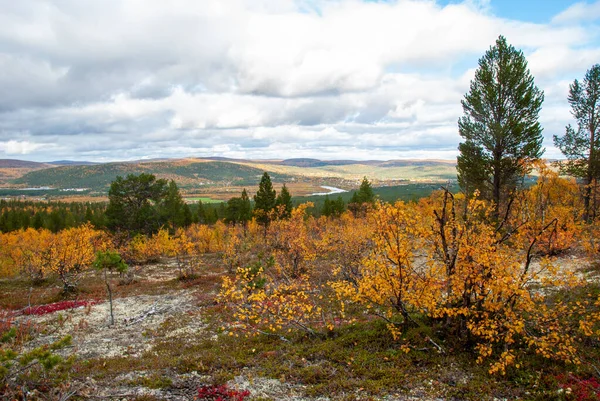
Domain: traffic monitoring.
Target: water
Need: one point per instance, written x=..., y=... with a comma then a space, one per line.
x=332, y=190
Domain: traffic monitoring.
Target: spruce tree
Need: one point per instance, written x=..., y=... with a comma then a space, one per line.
x=264, y=200
x=201, y=213
x=326, y=210
x=284, y=203
x=173, y=207
x=338, y=206
x=365, y=193
x=362, y=198
x=238, y=210
x=246, y=208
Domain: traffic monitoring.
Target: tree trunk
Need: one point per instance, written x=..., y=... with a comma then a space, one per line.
x=109, y=290
x=591, y=173
x=496, y=192
x=587, y=195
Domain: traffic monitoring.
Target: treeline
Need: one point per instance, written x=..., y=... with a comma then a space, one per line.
x=53, y=216
x=157, y=203
x=56, y=216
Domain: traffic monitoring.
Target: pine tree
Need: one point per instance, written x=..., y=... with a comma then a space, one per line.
x=233, y=210
x=133, y=203
x=500, y=125
x=105, y=262
x=581, y=146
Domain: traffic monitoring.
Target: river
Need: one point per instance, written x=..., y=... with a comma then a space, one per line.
x=332, y=190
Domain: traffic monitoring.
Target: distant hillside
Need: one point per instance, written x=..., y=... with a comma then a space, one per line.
x=71, y=163
x=11, y=169
x=418, y=163
x=311, y=163
x=187, y=174
x=304, y=162
x=11, y=163
x=221, y=178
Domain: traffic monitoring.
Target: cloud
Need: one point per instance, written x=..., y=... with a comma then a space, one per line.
x=256, y=78
x=578, y=12
x=551, y=62
x=13, y=147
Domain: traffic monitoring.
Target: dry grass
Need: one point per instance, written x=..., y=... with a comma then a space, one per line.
x=354, y=172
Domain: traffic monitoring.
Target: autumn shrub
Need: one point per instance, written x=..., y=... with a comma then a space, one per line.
x=260, y=299
x=233, y=249
x=257, y=304
x=72, y=252
x=207, y=238
x=182, y=249
x=283, y=290
x=57, y=306
x=392, y=281
x=143, y=249
x=487, y=295
x=345, y=242
x=26, y=252
x=482, y=280
x=292, y=243
x=221, y=393
x=66, y=254
x=550, y=213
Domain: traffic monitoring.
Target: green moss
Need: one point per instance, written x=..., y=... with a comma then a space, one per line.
x=154, y=381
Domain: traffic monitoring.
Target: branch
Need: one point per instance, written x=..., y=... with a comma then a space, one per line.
x=529, y=251
x=306, y=328
x=266, y=333
x=439, y=348
x=69, y=395
x=150, y=312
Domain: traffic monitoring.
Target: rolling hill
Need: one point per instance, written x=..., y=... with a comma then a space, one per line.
x=221, y=177
x=186, y=174
x=11, y=169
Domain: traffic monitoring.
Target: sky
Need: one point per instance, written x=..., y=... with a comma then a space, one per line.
x=106, y=80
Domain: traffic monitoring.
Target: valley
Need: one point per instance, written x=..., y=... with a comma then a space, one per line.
x=214, y=179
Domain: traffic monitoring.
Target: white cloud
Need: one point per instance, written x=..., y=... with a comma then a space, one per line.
x=581, y=11
x=259, y=78
x=18, y=147
x=551, y=62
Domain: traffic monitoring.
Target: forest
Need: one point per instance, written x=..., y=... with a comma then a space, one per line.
x=491, y=291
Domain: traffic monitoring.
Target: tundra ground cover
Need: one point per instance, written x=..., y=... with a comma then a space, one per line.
x=430, y=299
